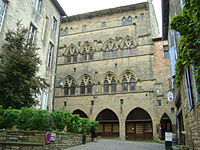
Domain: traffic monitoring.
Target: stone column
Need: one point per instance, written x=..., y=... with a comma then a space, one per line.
x=155, y=134
x=122, y=130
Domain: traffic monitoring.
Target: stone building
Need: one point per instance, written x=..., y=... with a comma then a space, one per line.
x=42, y=18
x=111, y=69
x=186, y=95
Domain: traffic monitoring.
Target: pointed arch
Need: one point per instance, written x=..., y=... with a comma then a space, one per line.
x=129, y=20
x=109, y=83
x=87, y=50
x=71, y=54
x=128, y=81
x=128, y=46
x=165, y=125
x=86, y=84
x=69, y=85
x=139, y=124
x=110, y=48
x=109, y=123
x=80, y=113
x=124, y=21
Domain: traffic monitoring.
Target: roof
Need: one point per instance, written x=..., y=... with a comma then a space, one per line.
x=59, y=8
x=106, y=12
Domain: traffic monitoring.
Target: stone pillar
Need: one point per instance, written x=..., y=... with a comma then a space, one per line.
x=155, y=134
x=122, y=130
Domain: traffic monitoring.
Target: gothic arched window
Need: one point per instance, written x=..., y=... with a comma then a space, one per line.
x=87, y=52
x=110, y=49
x=70, y=86
x=128, y=82
x=86, y=85
x=123, y=21
x=110, y=84
x=71, y=54
x=129, y=20
x=128, y=47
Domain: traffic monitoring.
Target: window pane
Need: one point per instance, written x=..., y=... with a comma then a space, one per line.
x=114, y=53
x=107, y=54
x=82, y=89
x=132, y=51
x=91, y=55
x=66, y=91
x=75, y=58
x=89, y=89
x=125, y=52
x=106, y=88
x=113, y=88
x=84, y=56
x=132, y=86
x=124, y=86
x=68, y=59
x=72, y=90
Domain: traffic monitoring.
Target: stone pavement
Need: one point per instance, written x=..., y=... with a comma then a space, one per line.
x=108, y=144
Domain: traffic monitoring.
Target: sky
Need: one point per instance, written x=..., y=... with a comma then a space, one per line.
x=74, y=7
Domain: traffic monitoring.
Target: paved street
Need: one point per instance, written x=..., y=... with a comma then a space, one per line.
x=105, y=144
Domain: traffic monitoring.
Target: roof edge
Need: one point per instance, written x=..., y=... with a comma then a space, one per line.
x=59, y=8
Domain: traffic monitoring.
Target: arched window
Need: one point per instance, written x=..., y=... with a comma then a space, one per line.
x=113, y=86
x=123, y=21
x=129, y=47
x=84, y=55
x=106, y=87
x=110, y=49
x=89, y=88
x=82, y=88
x=110, y=84
x=129, y=20
x=86, y=85
x=75, y=57
x=128, y=82
x=124, y=84
x=87, y=51
x=70, y=86
x=91, y=54
x=69, y=59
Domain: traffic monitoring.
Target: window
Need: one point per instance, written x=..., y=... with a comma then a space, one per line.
x=38, y=5
x=86, y=85
x=128, y=82
x=75, y=55
x=110, y=84
x=189, y=88
x=110, y=49
x=91, y=54
x=69, y=58
x=103, y=24
x=159, y=103
x=50, y=55
x=123, y=21
x=70, y=86
x=165, y=51
x=84, y=56
x=84, y=28
x=32, y=34
x=129, y=20
x=142, y=16
x=44, y=99
x=3, y=5
x=54, y=25
x=129, y=47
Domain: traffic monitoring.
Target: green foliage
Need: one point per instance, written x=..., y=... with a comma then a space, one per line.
x=43, y=120
x=19, y=85
x=59, y=119
x=188, y=25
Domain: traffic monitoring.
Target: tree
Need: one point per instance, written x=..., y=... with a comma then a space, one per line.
x=19, y=83
x=187, y=24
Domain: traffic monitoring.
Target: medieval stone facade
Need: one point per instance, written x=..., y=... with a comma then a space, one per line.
x=42, y=18
x=112, y=69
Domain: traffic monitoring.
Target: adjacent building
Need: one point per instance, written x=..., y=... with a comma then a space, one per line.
x=42, y=18
x=186, y=95
x=112, y=68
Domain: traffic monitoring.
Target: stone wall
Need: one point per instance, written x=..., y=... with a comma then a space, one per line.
x=35, y=140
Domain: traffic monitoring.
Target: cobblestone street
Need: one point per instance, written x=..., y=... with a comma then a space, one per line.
x=105, y=144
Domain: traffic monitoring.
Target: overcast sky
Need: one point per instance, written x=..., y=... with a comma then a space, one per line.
x=74, y=7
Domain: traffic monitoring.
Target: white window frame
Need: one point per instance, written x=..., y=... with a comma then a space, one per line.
x=50, y=55
x=3, y=13
x=32, y=33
